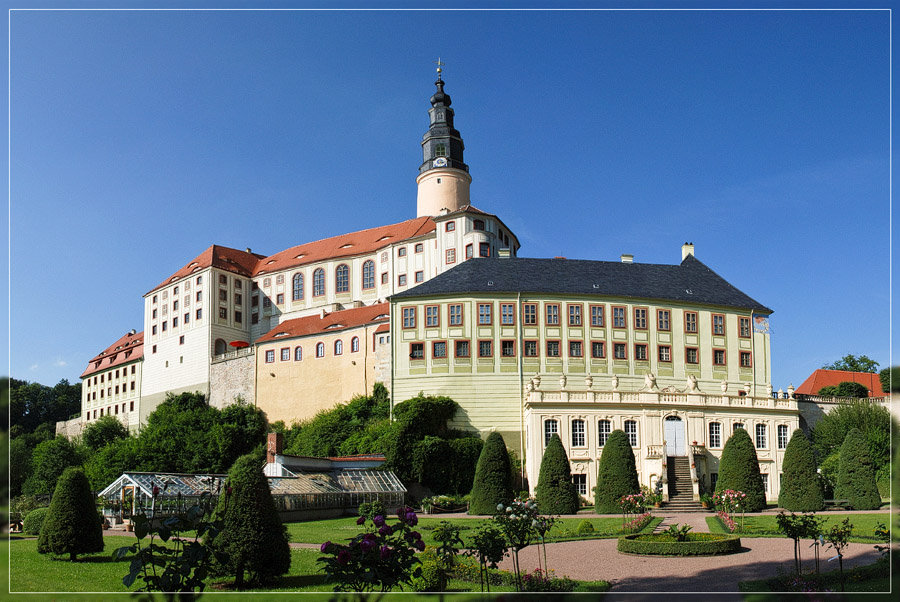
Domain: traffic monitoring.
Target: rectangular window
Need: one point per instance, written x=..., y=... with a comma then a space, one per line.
x=175, y=305
x=409, y=317
x=597, y=315
x=223, y=279
x=574, y=315
x=420, y=276
x=507, y=314
x=485, y=348
x=267, y=303
x=620, y=351
x=200, y=313
x=552, y=310
x=270, y=356
x=690, y=321
x=223, y=314
x=713, y=479
x=640, y=352
x=449, y=226
x=254, y=318
x=508, y=348
x=529, y=313
x=431, y=316
x=450, y=256
x=484, y=313
x=223, y=294
x=598, y=349
x=665, y=353
x=417, y=351
x=718, y=324
x=604, y=428
x=578, y=434
x=736, y=426
x=285, y=354
x=719, y=357
x=419, y=247
x=456, y=315
x=744, y=327
x=618, y=317
x=551, y=427
x=761, y=442
x=401, y=252
x=746, y=359
x=662, y=319
x=580, y=481
x=470, y=253
x=279, y=299
x=782, y=436
x=165, y=326
x=552, y=348
x=484, y=249
x=401, y=280
x=439, y=349
x=576, y=349
x=254, y=301
x=529, y=348
x=640, y=318
x=238, y=317
x=181, y=340
x=187, y=318
x=631, y=432
x=765, y=481
x=384, y=278
x=715, y=434
x=462, y=348
x=692, y=355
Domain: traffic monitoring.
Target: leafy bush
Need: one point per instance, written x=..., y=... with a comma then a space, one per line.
x=678, y=533
x=697, y=544
x=845, y=389
x=739, y=470
x=72, y=526
x=547, y=581
x=464, y=457
x=856, y=479
x=492, y=483
x=801, y=490
x=370, y=510
x=48, y=461
x=872, y=419
x=415, y=419
x=585, y=527
x=34, y=520
x=103, y=431
x=616, y=474
x=252, y=539
x=555, y=492
x=430, y=574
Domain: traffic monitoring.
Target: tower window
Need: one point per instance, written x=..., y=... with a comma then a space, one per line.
x=440, y=150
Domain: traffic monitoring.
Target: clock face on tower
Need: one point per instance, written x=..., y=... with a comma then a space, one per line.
x=440, y=162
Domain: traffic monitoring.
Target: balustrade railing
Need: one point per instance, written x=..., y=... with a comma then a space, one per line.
x=555, y=395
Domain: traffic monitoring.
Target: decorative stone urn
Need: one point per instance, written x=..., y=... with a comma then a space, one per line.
x=747, y=388
x=791, y=390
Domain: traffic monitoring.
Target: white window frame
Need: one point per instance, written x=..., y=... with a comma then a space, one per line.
x=579, y=438
x=551, y=427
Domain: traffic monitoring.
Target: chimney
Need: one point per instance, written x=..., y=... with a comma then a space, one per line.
x=322, y=314
x=503, y=253
x=687, y=249
x=248, y=250
x=273, y=446
x=627, y=258
x=132, y=331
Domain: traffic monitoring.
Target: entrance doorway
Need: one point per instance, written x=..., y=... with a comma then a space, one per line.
x=674, y=435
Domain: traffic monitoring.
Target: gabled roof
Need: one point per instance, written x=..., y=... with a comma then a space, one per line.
x=827, y=378
x=333, y=322
x=127, y=349
x=345, y=245
x=224, y=258
x=689, y=282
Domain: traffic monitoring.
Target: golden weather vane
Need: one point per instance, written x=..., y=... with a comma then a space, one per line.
x=440, y=67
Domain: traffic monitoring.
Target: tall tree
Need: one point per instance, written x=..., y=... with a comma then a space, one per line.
x=856, y=478
x=890, y=379
x=616, y=473
x=48, y=462
x=555, y=492
x=873, y=419
x=103, y=431
x=739, y=470
x=800, y=487
x=853, y=363
x=493, y=477
x=72, y=525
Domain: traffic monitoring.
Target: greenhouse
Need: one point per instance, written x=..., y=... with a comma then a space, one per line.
x=132, y=493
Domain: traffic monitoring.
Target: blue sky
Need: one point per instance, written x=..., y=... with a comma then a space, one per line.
x=139, y=138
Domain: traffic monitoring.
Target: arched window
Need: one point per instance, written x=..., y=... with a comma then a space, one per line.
x=318, y=282
x=320, y=349
x=354, y=344
x=298, y=287
x=551, y=427
x=368, y=274
x=338, y=347
x=221, y=347
x=298, y=353
x=342, y=279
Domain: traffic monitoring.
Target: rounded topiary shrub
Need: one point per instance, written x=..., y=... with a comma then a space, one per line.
x=34, y=520
x=253, y=539
x=739, y=470
x=856, y=477
x=585, y=527
x=555, y=492
x=616, y=474
x=72, y=525
x=493, y=477
x=801, y=490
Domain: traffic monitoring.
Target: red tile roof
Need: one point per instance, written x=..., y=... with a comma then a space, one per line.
x=124, y=351
x=345, y=245
x=217, y=256
x=333, y=322
x=825, y=378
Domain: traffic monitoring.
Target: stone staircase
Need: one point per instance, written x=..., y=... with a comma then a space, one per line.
x=681, y=496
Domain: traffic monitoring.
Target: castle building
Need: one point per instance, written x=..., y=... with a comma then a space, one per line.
x=672, y=354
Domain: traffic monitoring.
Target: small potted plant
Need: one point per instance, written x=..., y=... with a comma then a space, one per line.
x=706, y=501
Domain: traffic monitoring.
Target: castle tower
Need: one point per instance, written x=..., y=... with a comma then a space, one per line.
x=443, y=176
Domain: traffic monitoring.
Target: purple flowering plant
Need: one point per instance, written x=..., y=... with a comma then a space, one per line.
x=379, y=559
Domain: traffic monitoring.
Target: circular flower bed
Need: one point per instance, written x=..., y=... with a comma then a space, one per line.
x=696, y=544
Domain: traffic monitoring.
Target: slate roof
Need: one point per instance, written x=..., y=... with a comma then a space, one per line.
x=689, y=282
x=826, y=378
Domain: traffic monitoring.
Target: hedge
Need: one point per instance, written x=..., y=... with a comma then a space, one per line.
x=34, y=520
x=739, y=470
x=493, y=477
x=555, y=492
x=698, y=544
x=616, y=474
x=856, y=478
x=801, y=490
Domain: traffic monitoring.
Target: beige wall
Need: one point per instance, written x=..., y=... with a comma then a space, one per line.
x=442, y=189
x=124, y=404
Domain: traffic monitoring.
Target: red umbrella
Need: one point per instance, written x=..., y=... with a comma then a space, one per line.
x=239, y=344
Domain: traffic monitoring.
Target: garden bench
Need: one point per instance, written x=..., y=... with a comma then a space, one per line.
x=840, y=503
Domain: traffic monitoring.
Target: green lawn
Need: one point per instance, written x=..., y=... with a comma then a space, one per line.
x=765, y=525
x=868, y=578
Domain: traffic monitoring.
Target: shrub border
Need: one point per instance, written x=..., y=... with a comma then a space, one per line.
x=721, y=544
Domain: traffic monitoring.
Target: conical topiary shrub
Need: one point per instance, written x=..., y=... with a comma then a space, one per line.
x=252, y=539
x=72, y=525
x=616, y=474
x=856, y=477
x=493, y=477
x=555, y=492
x=800, y=488
x=739, y=470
